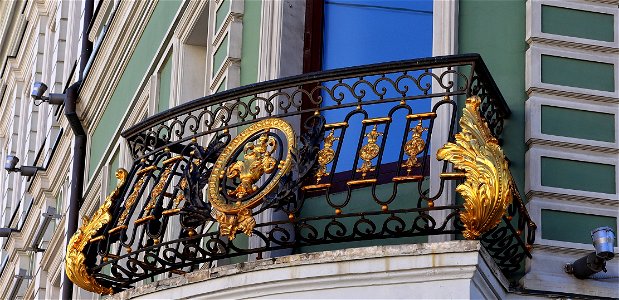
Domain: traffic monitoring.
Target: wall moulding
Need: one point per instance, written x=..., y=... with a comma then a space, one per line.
x=533, y=78
x=94, y=115
x=533, y=130
x=533, y=159
x=537, y=204
x=534, y=24
x=105, y=75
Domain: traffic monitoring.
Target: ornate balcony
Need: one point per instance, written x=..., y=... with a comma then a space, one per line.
x=324, y=158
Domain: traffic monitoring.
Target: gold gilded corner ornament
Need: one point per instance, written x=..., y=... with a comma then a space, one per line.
x=75, y=263
x=487, y=188
x=256, y=161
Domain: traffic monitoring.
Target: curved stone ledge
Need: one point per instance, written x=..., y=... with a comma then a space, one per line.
x=456, y=269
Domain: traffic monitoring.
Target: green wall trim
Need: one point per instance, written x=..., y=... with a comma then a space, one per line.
x=573, y=227
x=499, y=36
x=580, y=124
x=578, y=175
x=165, y=84
x=220, y=55
x=578, y=23
x=104, y=132
x=222, y=12
x=250, y=48
x=578, y=73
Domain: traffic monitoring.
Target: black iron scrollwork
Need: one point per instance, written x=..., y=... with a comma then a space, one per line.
x=359, y=170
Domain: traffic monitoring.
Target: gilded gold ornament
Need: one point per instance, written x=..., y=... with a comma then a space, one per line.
x=132, y=198
x=158, y=189
x=369, y=151
x=326, y=155
x=257, y=160
x=230, y=224
x=487, y=188
x=75, y=263
x=180, y=196
x=413, y=147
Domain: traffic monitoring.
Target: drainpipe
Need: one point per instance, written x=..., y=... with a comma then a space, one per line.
x=86, y=43
x=79, y=144
x=77, y=172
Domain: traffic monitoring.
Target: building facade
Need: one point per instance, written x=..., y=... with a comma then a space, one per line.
x=151, y=86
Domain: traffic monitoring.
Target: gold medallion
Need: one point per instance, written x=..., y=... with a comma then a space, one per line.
x=254, y=150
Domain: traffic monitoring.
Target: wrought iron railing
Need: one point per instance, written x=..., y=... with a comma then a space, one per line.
x=322, y=158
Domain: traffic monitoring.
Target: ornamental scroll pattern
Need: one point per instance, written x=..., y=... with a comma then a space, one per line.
x=282, y=161
x=75, y=263
x=488, y=185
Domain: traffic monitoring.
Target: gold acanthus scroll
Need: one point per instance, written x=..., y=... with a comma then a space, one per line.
x=75, y=263
x=487, y=188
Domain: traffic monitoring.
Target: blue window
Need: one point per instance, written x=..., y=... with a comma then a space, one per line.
x=358, y=32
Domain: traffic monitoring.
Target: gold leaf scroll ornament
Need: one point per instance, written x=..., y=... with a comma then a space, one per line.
x=75, y=263
x=487, y=188
x=256, y=162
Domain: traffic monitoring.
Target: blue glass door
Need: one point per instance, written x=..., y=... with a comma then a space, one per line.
x=357, y=32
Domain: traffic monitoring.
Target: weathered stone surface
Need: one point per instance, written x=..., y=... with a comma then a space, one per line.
x=450, y=266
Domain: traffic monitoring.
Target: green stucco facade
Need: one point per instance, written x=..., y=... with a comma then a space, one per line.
x=499, y=36
x=105, y=132
x=580, y=124
x=578, y=73
x=578, y=23
x=250, y=48
x=573, y=227
x=578, y=175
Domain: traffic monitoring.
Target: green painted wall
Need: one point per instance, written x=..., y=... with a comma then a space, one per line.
x=578, y=175
x=220, y=55
x=104, y=133
x=573, y=227
x=222, y=12
x=165, y=84
x=580, y=124
x=251, y=42
x=578, y=23
x=578, y=73
x=496, y=30
x=111, y=176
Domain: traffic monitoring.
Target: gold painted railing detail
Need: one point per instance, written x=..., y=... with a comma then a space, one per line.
x=158, y=189
x=75, y=263
x=132, y=198
x=487, y=188
x=414, y=146
x=257, y=161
